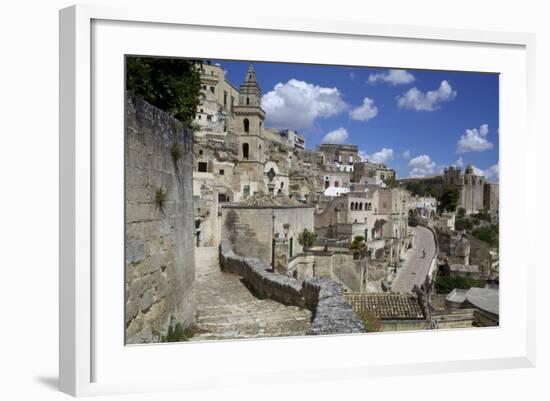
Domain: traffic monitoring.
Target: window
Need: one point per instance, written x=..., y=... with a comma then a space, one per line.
x=213, y=89
x=222, y=172
x=225, y=99
x=245, y=151
x=290, y=248
x=200, y=152
x=203, y=167
x=208, y=118
x=246, y=124
x=260, y=125
x=247, y=101
x=203, y=86
x=361, y=206
x=222, y=198
x=327, y=184
x=246, y=191
x=336, y=184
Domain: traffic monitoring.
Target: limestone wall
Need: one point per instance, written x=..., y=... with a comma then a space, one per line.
x=331, y=313
x=160, y=270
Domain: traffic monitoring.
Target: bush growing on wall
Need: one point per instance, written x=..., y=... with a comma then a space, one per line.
x=307, y=238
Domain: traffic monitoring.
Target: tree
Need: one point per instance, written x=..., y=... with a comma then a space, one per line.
x=486, y=234
x=171, y=84
x=445, y=284
x=358, y=242
x=307, y=238
x=391, y=182
x=449, y=199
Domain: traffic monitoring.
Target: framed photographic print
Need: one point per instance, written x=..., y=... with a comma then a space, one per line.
x=290, y=199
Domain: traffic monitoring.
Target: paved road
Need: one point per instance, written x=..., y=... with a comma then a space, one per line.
x=415, y=267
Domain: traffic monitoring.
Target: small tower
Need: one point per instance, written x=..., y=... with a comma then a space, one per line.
x=249, y=119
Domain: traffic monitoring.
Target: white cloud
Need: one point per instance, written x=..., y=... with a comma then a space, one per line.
x=382, y=156
x=429, y=101
x=459, y=163
x=492, y=173
x=339, y=135
x=478, y=171
x=422, y=166
x=365, y=112
x=352, y=75
x=406, y=154
x=297, y=104
x=392, y=77
x=474, y=140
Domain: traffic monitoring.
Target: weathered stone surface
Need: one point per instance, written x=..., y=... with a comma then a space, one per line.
x=227, y=309
x=159, y=238
x=324, y=297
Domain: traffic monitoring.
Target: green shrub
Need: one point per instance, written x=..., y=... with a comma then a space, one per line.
x=160, y=197
x=370, y=321
x=177, y=333
x=307, y=238
x=445, y=284
x=486, y=234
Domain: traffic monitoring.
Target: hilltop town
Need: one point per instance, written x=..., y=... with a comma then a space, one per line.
x=290, y=221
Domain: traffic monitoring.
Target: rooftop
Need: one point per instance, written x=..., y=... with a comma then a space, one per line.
x=267, y=200
x=484, y=298
x=386, y=306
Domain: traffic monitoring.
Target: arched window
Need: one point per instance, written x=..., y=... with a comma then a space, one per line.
x=245, y=151
x=361, y=206
x=247, y=101
x=260, y=125
x=246, y=125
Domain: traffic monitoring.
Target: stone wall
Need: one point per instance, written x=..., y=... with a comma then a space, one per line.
x=160, y=270
x=331, y=313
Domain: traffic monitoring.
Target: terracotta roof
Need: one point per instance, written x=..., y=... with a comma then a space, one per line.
x=386, y=306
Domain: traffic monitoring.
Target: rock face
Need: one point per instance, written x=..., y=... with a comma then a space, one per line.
x=324, y=297
x=160, y=270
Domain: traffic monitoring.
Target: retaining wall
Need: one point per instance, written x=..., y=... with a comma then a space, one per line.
x=331, y=313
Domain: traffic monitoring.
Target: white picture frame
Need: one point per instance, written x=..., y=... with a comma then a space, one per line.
x=87, y=364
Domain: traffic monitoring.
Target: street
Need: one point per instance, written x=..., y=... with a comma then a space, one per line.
x=415, y=267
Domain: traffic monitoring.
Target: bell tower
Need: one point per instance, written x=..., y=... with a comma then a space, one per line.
x=249, y=119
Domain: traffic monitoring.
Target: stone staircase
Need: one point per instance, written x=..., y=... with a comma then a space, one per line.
x=226, y=309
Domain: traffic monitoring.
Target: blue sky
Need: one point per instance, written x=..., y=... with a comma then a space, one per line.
x=416, y=121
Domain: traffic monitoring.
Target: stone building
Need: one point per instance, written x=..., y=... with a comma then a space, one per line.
x=475, y=193
x=342, y=155
x=366, y=172
x=470, y=185
x=491, y=197
x=218, y=97
x=380, y=215
x=423, y=206
x=266, y=227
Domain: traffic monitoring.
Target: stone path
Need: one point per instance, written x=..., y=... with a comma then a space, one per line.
x=415, y=267
x=227, y=310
